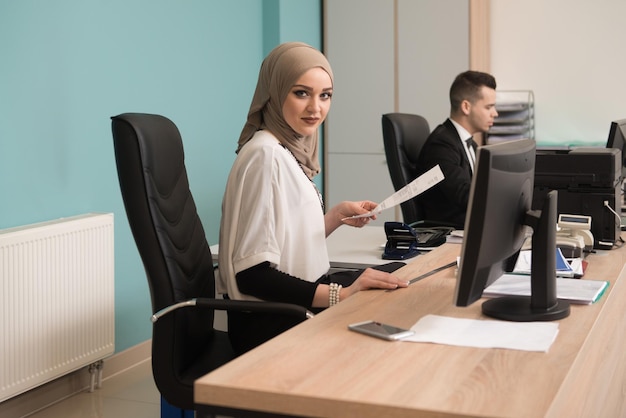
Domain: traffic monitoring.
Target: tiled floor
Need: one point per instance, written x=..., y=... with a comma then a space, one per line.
x=131, y=394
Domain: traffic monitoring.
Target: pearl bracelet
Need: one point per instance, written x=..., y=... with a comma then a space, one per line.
x=333, y=294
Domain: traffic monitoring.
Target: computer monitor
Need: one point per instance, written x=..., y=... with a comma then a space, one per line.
x=617, y=139
x=497, y=224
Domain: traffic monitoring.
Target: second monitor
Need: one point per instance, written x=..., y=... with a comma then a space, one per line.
x=617, y=139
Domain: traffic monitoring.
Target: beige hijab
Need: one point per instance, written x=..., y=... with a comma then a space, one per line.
x=279, y=72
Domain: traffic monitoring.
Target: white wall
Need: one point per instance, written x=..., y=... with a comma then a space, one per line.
x=572, y=54
x=406, y=48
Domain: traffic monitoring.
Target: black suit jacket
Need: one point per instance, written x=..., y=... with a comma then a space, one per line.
x=447, y=200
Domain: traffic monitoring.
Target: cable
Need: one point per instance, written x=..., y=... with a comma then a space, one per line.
x=619, y=218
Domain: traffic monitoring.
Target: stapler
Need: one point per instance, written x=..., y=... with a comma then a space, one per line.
x=404, y=241
x=401, y=241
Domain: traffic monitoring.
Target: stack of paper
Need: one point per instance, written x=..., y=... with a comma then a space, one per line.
x=573, y=290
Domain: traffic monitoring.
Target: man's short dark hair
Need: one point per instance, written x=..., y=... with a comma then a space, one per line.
x=467, y=86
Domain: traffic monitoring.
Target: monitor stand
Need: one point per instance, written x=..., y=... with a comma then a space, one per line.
x=520, y=309
x=542, y=304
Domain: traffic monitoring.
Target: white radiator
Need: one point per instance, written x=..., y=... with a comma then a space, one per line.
x=56, y=299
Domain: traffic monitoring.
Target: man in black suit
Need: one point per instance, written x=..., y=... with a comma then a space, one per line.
x=472, y=110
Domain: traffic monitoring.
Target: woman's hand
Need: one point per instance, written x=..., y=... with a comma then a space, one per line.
x=357, y=208
x=369, y=279
x=338, y=214
x=373, y=279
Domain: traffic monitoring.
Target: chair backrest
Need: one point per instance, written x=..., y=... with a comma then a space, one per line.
x=171, y=242
x=404, y=135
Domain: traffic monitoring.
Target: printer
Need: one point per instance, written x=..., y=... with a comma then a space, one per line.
x=585, y=178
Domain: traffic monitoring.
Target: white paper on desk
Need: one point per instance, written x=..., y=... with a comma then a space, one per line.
x=526, y=336
x=581, y=291
x=417, y=186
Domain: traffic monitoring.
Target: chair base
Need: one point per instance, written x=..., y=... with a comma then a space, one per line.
x=170, y=411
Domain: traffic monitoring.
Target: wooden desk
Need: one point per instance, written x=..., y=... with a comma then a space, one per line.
x=319, y=368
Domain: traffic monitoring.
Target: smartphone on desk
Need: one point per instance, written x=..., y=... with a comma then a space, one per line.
x=380, y=330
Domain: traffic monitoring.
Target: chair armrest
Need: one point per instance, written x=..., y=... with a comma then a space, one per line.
x=237, y=306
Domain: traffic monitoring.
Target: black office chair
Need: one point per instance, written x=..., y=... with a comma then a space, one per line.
x=175, y=254
x=404, y=134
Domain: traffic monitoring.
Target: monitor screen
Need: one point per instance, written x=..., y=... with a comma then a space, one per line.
x=497, y=224
x=617, y=139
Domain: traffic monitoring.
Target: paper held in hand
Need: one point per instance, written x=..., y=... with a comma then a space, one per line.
x=417, y=186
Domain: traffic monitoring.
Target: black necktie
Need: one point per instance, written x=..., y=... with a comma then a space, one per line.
x=471, y=143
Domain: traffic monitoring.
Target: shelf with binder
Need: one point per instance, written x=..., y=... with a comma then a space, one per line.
x=516, y=116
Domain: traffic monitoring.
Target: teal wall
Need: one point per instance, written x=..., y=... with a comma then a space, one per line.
x=68, y=65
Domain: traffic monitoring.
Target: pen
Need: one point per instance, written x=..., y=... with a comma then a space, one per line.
x=430, y=273
x=433, y=271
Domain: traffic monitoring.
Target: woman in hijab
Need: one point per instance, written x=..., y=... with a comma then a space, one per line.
x=273, y=229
